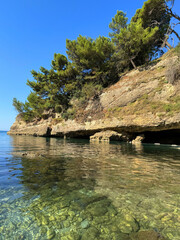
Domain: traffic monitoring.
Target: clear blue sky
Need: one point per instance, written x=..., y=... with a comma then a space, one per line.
x=31, y=31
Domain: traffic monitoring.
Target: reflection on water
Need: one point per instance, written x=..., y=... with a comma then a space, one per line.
x=82, y=190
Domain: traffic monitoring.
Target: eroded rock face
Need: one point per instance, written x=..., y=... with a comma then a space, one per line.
x=143, y=100
x=138, y=139
x=108, y=136
x=41, y=128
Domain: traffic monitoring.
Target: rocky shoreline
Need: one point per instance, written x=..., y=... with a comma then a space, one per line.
x=144, y=101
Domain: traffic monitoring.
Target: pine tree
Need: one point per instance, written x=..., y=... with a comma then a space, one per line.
x=92, y=59
x=153, y=14
x=131, y=40
x=139, y=40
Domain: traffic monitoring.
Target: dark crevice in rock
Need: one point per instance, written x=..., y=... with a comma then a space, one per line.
x=162, y=137
x=48, y=133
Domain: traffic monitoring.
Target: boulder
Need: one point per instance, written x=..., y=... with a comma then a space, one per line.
x=108, y=136
x=138, y=139
x=146, y=235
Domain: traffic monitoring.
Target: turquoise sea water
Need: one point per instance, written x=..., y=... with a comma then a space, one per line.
x=78, y=190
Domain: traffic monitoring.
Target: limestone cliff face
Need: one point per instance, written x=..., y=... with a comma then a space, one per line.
x=146, y=99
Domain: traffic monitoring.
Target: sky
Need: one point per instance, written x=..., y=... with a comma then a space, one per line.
x=31, y=31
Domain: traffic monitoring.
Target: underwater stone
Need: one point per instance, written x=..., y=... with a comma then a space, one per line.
x=171, y=233
x=43, y=230
x=51, y=218
x=85, y=224
x=97, y=211
x=125, y=228
x=146, y=235
x=71, y=213
x=66, y=224
x=98, y=208
x=1, y=229
x=90, y=234
x=113, y=228
x=50, y=233
x=61, y=218
x=126, y=222
x=11, y=226
x=63, y=204
x=118, y=236
x=44, y=221
x=71, y=236
x=100, y=220
x=112, y=211
x=115, y=236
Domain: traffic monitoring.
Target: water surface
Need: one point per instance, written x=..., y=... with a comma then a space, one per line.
x=80, y=190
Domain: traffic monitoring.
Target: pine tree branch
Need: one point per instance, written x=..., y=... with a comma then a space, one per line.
x=170, y=12
x=173, y=31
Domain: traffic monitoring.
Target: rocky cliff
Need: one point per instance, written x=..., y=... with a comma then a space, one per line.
x=145, y=100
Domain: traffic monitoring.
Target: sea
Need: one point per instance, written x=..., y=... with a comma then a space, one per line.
x=51, y=188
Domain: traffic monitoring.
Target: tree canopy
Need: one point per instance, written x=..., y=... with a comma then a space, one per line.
x=92, y=64
x=92, y=58
x=139, y=40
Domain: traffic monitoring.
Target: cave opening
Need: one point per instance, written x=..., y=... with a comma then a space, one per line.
x=162, y=137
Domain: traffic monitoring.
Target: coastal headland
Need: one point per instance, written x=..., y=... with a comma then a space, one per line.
x=144, y=101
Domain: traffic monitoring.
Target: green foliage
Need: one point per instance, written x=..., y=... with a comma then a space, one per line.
x=138, y=41
x=49, y=85
x=93, y=64
x=28, y=116
x=131, y=39
x=48, y=88
x=172, y=107
x=92, y=59
x=58, y=108
x=90, y=89
x=24, y=109
x=87, y=91
x=153, y=15
x=60, y=62
x=19, y=106
x=118, y=22
x=69, y=114
x=36, y=103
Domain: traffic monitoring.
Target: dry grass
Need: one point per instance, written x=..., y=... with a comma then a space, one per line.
x=144, y=105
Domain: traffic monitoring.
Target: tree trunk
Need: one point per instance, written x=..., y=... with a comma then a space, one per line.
x=176, y=34
x=174, y=15
x=169, y=45
x=132, y=62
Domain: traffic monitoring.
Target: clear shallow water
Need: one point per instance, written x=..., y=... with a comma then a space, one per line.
x=80, y=190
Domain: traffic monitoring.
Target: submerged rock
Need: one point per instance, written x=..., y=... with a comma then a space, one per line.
x=98, y=208
x=50, y=233
x=138, y=139
x=30, y=155
x=126, y=223
x=90, y=234
x=146, y=235
x=108, y=136
x=85, y=224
